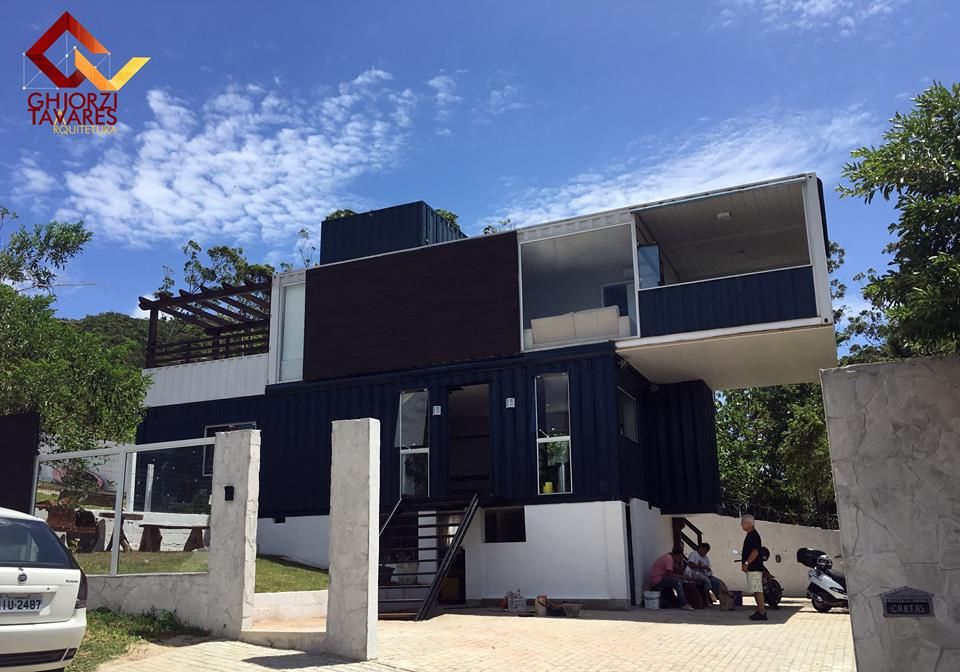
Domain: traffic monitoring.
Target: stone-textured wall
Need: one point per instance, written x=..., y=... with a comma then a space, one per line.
x=221, y=600
x=354, y=539
x=184, y=594
x=724, y=534
x=895, y=446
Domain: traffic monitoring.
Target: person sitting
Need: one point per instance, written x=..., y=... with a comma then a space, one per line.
x=667, y=575
x=698, y=568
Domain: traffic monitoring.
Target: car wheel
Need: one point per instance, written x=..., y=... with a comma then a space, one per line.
x=820, y=604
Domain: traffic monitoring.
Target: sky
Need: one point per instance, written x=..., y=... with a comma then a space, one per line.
x=253, y=120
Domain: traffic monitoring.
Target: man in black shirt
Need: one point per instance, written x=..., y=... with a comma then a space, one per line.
x=752, y=565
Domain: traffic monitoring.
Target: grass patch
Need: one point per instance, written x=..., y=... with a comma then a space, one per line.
x=274, y=574
x=110, y=635
x=145, y=563
x=278, y=575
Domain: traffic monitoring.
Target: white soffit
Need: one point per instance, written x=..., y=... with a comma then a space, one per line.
x=758, y=228
x=755, y=359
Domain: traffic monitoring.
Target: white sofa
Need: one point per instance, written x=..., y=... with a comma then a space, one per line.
x=582, y=325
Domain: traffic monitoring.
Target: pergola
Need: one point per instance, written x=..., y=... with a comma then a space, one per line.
x=235, y=320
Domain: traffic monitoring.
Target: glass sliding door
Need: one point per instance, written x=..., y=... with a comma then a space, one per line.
x=413, y=441
x=554, y=474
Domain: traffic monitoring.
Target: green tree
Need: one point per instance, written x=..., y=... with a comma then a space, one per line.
x=341, y=213
x=502, y=225
x=117, y=329
x=918, y=168
x=82, y=388
x=772, y=441
x=31, y=258
x=450, y=216
x=224, y=265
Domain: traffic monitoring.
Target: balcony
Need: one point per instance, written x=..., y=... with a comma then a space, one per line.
x=207, y=325
x=773, y=296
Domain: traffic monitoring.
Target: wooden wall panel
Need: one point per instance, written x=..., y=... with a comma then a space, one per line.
x=434, y=305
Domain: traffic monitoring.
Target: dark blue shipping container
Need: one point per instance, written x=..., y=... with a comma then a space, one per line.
x=295, y=420
x=400, y=227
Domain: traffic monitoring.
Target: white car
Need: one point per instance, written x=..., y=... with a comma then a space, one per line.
x=43, y=597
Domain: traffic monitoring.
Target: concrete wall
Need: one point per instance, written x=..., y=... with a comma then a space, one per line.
x=895, y=446
x=305, y=539
x=652, y=536
x=203, y=381
x=724, y=534
x=287, y=606
x=186, y=595
x=576, y=551
x=354, y=539
x=220, y=601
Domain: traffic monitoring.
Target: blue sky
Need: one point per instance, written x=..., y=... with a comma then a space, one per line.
x=255, y=119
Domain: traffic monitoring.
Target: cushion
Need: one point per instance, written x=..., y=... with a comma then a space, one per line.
x=556, y=329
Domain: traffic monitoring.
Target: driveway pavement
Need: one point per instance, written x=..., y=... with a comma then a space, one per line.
x=796, y=639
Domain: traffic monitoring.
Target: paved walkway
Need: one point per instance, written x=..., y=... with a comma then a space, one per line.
x=795, y=640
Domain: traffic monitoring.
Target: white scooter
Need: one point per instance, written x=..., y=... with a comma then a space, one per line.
x=827, y=589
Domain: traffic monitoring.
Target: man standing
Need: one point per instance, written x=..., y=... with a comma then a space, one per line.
x=664, y=576
x=752, y=565
x=698, y=568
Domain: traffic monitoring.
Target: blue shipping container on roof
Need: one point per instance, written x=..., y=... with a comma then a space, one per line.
x=400, y=227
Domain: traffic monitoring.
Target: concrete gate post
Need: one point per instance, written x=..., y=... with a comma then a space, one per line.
x=354, y=539
x=233, y=532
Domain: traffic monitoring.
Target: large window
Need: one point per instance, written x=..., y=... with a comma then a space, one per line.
x=413, y=440
x=291, y=332
x=578, y=288
x=553, y=434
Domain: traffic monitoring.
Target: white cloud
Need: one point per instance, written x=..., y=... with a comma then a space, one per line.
x=504, y=99
x=843, y=15
x=761, y=145
x=29, y=179
x=444, y=94
x=245, y=165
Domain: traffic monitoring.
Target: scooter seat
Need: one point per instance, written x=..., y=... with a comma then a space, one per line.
x=838, y=577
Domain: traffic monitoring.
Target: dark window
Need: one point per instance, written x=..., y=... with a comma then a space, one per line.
x=627, y=412
x=30, y=543
x=616, y=295
x=504, y=525
x=212, y=430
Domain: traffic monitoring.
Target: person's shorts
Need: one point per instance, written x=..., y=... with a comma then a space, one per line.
x=754, y=582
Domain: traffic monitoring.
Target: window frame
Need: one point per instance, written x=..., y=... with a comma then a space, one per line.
x=412, y=450
x=567, y=438
x=281, y=331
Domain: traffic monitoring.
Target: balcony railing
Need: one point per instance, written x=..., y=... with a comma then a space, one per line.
x=251, y=342
x=754, y=298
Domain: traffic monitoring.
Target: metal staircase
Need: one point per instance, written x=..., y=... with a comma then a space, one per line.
x=419, y=542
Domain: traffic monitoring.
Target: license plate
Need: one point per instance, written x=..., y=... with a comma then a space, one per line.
x=20, y=603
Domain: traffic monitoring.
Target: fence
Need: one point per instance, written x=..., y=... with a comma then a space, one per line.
x=160, y=493
x=827, y=521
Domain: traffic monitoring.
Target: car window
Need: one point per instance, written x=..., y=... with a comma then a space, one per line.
x=30, y=543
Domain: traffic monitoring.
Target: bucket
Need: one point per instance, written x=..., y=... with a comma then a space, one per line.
x=737, y=598
x=651, y=599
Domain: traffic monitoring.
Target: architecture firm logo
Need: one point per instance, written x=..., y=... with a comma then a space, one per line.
x=74, y=112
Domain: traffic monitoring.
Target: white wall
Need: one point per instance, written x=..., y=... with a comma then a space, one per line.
x=203, y=381
x=576, y=551
x=652, y=536
x=305, y=539
x=724, y=534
